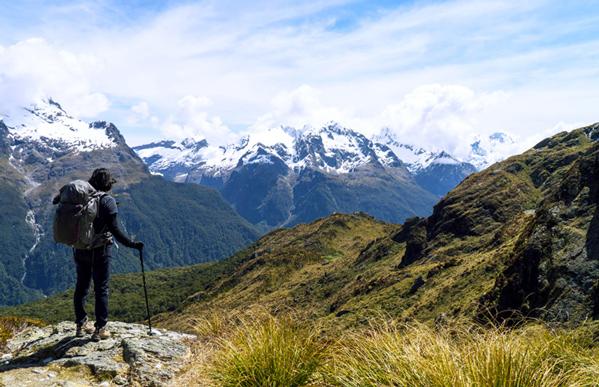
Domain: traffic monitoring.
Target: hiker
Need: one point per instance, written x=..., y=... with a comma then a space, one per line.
x=95, y=262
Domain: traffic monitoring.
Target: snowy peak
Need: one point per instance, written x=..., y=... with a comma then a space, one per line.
x=48, y=125
x=442, y=158
x=165, y=154
x=335, y=149
x=35, y=138
x=485, y=151
x=415, y=158
x=332, y=148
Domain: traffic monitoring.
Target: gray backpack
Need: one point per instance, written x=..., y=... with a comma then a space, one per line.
x=78, y=205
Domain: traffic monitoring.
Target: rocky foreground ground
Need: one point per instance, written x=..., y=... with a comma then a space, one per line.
x=53, y=356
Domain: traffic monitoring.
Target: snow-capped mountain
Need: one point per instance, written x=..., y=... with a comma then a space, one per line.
x=415, y=158
x=47, y=124
x=438, y=172
x=40, y=138
x=332, y=149
x=484, y=151
x=266, y=173
x=41, y=148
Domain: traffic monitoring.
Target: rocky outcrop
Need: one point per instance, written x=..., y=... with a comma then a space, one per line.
x=554, y=272
x=53, y=356
x=414, y=233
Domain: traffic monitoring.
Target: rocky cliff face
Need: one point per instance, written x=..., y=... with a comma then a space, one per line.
x=554, y=271
x=551, y=269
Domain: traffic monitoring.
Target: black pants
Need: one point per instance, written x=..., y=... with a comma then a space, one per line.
x=92, y=264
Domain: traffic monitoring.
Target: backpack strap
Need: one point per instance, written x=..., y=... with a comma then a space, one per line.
x=101, y=195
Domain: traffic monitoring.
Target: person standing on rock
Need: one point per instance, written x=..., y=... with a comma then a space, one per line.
x=95, y=263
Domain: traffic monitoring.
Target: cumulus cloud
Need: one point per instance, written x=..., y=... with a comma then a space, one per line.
x=191, y=120
x=298, y=108
x=33, y=69
x=141, y=115
x=141, y=109
x=440, y=116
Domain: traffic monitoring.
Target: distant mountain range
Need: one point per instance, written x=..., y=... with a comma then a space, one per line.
x=286, y=176
x=518, y=239
x=41, y=148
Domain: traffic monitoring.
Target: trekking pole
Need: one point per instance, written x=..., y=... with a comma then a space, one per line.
x=143, y=276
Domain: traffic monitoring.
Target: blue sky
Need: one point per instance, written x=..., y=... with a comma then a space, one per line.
x=437, y=72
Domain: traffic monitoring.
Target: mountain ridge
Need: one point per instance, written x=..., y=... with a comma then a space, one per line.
x=281, y=141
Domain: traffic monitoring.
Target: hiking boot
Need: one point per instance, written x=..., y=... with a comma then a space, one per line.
x=85, y=327
x=100, y=334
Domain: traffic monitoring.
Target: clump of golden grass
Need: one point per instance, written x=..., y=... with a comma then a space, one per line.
x=268, y=352
x=418, y=355
x=258, y=349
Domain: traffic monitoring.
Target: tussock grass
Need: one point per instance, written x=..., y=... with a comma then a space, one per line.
x=268, y=351
x=418, y=355
x=258, y=349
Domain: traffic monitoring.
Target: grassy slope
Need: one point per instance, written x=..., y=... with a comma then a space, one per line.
x=347, y=269
x=257, y=349
x=169, y=288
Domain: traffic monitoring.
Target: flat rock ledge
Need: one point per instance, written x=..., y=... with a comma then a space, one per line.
x=53, y=356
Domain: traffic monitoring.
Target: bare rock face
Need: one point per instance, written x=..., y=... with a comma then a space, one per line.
x=53, y=356
x=553, y=273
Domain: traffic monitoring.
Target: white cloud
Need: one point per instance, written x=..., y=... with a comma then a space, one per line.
x=297, y=108
x=190, y=104
x=33, y=68
x=517, y=75
x=141, y=110
x=140, y=115
x=192, y=121
x=87, y=104
x=440, y=116
x=432, y=116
